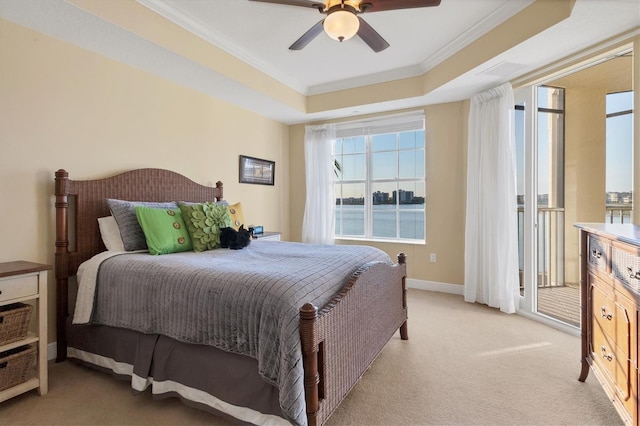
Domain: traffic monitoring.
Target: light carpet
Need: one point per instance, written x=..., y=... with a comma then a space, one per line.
x=465, y=364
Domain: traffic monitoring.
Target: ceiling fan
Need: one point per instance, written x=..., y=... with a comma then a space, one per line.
x=342, y=21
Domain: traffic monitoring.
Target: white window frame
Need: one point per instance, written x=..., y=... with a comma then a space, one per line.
x=397, y=123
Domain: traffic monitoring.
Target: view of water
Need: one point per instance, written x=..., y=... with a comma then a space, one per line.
x=350, y=221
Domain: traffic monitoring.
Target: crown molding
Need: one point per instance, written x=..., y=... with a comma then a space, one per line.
x=365, y=80
x=503, y=13
x=196, y=26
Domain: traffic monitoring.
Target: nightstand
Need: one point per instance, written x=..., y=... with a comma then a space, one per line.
x=271, y=236
x=23, y=281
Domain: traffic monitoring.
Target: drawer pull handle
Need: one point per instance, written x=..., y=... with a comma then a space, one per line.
x=633, y=275
x=604, y=314
x=4, y=364
x=605, y=355
x=596, y=253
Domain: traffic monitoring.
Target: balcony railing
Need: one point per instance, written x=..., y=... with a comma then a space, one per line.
x=550, y=246
x=551, y=241
x=618, y=213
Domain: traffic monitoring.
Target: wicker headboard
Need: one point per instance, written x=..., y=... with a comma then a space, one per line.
x=79, y=204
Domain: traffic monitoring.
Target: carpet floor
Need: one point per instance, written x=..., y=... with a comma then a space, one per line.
x=465, y=364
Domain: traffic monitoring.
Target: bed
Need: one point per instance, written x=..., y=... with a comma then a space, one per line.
x=322, y=347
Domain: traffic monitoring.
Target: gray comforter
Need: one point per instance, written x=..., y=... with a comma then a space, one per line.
x=242, y=301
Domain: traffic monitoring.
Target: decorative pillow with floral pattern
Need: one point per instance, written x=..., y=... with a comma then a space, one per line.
x=204, y=221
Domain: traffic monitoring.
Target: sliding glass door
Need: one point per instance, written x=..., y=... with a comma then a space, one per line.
x=539, y=130
x=575, y=158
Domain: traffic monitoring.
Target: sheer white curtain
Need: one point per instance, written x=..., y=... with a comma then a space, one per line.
x=318, y=223
x=491, y=233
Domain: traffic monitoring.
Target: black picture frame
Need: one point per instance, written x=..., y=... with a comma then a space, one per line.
x=257, y=171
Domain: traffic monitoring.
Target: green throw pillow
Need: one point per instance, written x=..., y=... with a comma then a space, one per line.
x=164, y=230
x=204, y=222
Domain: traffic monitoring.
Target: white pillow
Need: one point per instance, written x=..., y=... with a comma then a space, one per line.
x=110, y=233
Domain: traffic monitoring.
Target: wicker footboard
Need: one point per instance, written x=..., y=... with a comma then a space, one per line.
x=341, y=340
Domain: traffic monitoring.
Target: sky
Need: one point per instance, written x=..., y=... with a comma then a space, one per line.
x=619, y=143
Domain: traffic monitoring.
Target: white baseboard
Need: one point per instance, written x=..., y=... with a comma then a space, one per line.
x=459, y=290
x=435, y=286
x=551, y=322
x=52, y=351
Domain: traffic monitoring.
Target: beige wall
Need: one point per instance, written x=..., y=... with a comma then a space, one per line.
x=446, y=165
x=585, y=147
x=64, y=107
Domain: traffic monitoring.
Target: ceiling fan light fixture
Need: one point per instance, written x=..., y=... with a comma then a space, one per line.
x=341, y=25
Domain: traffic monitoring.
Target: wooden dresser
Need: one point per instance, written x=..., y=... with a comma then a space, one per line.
x=610, y=293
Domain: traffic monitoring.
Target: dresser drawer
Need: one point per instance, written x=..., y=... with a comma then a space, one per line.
x=613, y=362
x=611, y=316
x=610, y=289
x=18, y=286
x=625, y=266
x=598, y=253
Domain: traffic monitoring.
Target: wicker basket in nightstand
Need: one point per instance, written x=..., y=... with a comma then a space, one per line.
x=14, y=322
x=15, y=365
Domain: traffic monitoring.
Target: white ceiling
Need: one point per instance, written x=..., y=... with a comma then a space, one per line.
x=260, y=34
x=419, y=38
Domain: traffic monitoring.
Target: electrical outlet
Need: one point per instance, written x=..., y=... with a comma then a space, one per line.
x=432, y=257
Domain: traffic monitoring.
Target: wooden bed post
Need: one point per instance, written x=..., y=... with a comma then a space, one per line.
x=61, y=264
x=220, y=189
x=404, y=330
x=308, y=316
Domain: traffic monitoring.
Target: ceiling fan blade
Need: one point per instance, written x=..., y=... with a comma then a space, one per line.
x=303, y=3
x=382, y=5
x=371, y=36
x=307, y=37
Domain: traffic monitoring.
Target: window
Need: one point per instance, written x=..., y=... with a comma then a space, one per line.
x=619, y=155
x=380, y=179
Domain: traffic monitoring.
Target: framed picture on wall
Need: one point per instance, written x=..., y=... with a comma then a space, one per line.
x=256, y=170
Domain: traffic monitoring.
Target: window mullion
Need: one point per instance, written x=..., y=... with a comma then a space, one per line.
x=397, y=208
x=368, y=202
